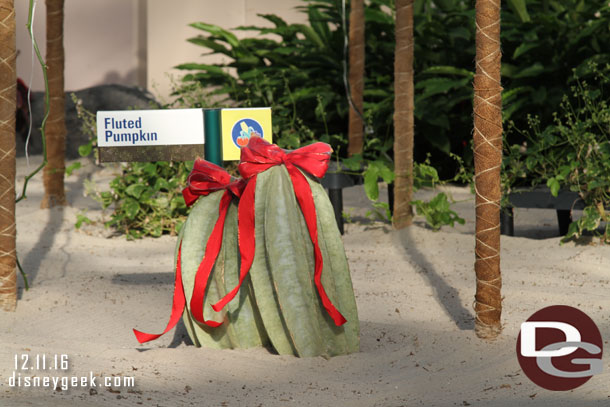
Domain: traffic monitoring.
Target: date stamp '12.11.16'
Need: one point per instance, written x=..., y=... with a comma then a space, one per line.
x=50, y=371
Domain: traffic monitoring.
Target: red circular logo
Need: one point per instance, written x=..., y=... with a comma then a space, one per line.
x=560, y=348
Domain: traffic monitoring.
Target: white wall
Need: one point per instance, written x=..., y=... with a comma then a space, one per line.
x=101, y=42
x=135, y=42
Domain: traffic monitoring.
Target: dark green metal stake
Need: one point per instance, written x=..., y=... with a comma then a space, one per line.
x=213, y=141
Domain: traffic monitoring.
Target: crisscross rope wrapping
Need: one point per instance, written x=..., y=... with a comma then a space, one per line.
x=8, y=97
x=487, y=159
x=55, y=132
x=356, y=76
x=403, y=115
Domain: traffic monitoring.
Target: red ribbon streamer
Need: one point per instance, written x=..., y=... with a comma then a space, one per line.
x=177, y=307
x=258, y=156
x=204, y=179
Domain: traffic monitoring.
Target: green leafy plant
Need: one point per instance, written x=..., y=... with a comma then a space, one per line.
x=82, y=218
x=571, y=154
x=147, y=199
x=437, y=211
x=297, y=70
x=540, y=54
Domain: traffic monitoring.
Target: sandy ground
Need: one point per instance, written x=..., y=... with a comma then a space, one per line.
x=414, y=290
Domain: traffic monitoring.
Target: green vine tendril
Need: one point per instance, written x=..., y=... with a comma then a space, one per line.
x=44, y=121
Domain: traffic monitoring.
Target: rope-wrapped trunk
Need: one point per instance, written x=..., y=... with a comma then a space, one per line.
x=55, y=130
x=8, y=97
x=487, y=163
x=356, y=77
x=403, y=115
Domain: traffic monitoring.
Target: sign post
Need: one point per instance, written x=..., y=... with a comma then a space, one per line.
x=213, y=142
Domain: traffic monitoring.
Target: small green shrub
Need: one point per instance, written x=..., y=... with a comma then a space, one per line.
x=147, y=199
x=437, y=212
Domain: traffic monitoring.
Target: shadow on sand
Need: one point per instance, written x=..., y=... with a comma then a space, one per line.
x=32, y=262
x=180, y=333
x=447, y=296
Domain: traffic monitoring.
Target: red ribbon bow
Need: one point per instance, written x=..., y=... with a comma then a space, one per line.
x=204, y=179
x=258, y=156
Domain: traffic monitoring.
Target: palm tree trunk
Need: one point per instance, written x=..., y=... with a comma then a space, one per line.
x=356, y=77
x=53, y=175
x=403, y=115
x=487, y=165
x=8, y=99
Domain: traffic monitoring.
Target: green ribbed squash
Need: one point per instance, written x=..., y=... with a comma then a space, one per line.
x=242, y=327
x=282, y=273
x=278, y=302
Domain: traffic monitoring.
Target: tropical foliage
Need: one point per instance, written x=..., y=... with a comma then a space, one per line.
x=571, y=154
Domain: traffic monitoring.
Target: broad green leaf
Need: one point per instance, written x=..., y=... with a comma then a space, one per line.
x=508, y=70
x=211, y=44
x=216, y=30
x=377, y=16
x=85, y=149
x=520, y=8
x=449, y=70
x=72, y=167
x=597, y=184
x=590, y=219
x=202, y=67
x=572, y=231
x=533, y=70
x=80, y=219
x=131, y=207
x=311, y=35
x=162, y=202
x=353, y=163
x=445, y=5
x=438, y=85
x=135, y=190
x=279, y=22
x=508, y=94
x=553, y=184
x=386, y=173
x=460, y=33
x=162, y=184
x=524, y=48
x=319, y=23
x=371, y=176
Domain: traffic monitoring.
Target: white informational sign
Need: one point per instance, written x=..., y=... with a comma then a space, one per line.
x=123, y=128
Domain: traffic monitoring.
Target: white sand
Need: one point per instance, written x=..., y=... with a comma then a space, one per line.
x=414, y=290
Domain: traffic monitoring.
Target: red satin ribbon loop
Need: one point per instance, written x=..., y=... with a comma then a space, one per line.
x=260, y=155
x=204, y=179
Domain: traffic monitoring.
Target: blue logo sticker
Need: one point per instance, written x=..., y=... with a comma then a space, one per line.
x=243, y=129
